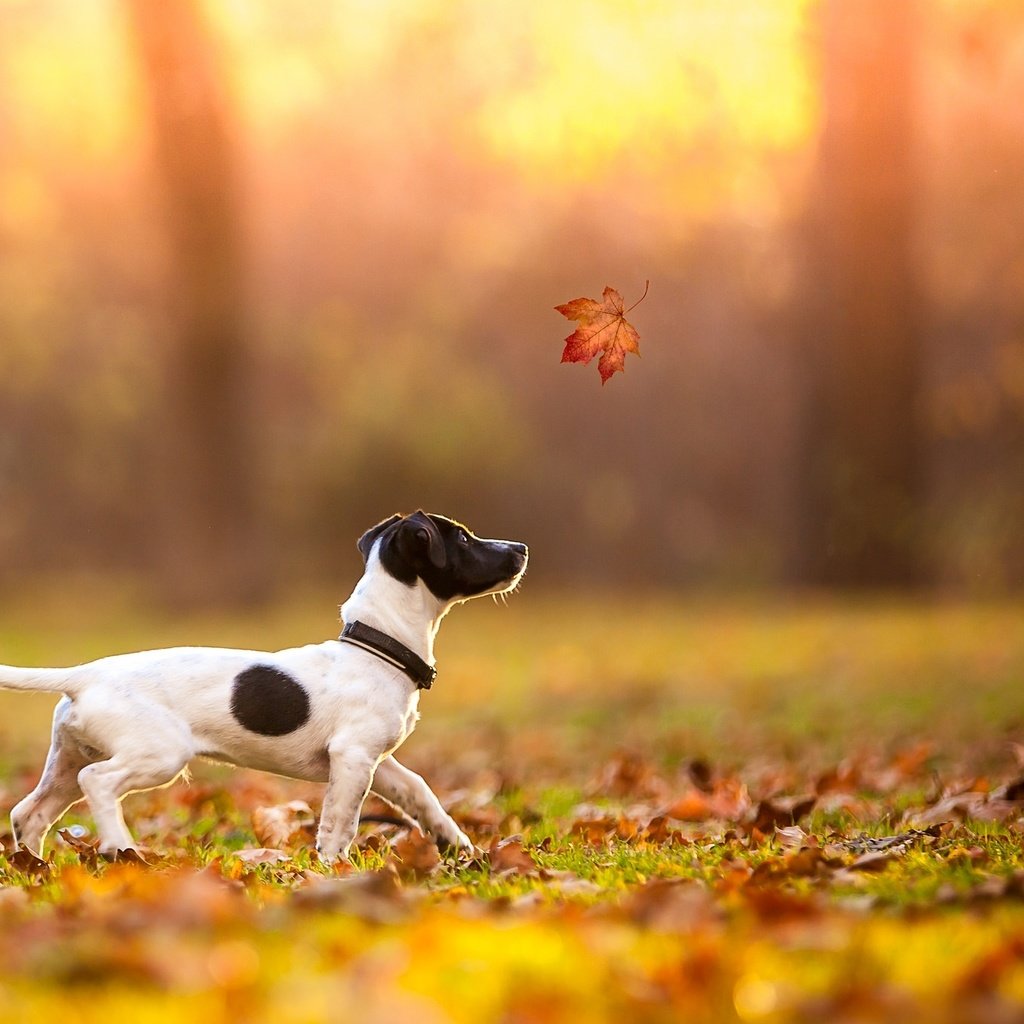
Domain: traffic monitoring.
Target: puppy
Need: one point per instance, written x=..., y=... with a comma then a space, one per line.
x=331, y=712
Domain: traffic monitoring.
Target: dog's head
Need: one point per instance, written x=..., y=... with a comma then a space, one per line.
x=450, y=559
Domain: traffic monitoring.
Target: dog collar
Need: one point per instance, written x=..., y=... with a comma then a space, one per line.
x=390, y=650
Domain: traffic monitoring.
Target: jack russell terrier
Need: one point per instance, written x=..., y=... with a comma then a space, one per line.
x=332, y=712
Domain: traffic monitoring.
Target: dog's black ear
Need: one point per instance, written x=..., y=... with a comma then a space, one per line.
x=365, y=543
x=419, y=535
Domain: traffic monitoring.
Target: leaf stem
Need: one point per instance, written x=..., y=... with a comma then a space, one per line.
x=647, y=284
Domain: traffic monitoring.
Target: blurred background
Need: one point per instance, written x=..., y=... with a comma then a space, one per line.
x=271, y=272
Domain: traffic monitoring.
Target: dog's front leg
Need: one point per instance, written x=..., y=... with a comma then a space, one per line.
x=408, y=792
x=352, y=769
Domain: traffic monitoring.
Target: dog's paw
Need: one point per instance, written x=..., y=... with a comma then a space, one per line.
x=329, y=856
x=456, y=844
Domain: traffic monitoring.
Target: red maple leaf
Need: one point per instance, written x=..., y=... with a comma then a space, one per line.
x=603, y=327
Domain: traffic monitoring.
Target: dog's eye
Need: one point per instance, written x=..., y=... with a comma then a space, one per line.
x=463, y=539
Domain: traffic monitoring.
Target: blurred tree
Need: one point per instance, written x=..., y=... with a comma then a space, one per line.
x=862, y=461
x=206, y=492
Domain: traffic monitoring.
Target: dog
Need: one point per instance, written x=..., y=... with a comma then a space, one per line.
x=331, y=712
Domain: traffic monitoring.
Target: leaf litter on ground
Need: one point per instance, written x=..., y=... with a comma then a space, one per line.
x=640, y=885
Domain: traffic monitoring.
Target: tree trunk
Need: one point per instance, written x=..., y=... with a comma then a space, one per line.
x=861, y=468
x=206, y=493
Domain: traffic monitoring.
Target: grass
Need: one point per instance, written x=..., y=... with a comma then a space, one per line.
x=559, y=711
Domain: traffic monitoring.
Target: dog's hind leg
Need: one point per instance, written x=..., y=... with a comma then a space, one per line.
x=146, y=746
x=105, y=783
x=57, y=790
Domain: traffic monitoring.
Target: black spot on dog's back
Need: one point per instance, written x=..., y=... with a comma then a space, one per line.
x=268, y=701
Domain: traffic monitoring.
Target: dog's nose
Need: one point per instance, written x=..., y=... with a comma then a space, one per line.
x=521, y=549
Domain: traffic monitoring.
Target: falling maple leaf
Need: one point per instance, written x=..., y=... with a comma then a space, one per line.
x=603, y=328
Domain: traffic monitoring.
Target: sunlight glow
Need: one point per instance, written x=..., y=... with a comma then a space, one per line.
x=686, y=98
x=597, y=82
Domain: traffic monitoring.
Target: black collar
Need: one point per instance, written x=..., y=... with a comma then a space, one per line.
x=390, y=650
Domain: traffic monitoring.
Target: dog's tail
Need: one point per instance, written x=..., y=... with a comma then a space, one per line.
x=47, y=680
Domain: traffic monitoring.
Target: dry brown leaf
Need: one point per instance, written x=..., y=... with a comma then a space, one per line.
x=276, y=826
x=691, y=806
x=660, y=830
x=670, y=904
x=871, y=862
x=261, y=855
x=793, y=837
x=628, y=774
x=968, y=855
x=700, y=774
x=773, y=904
x=844, y=778
x=904, y=766
x=375, y=896
x=508, y=856
x=964, y=806
x=726, y=800
x=595, y=831
x=27, y=862
x=803, y=863
x=569, y=883
x=417, y=855
x=771, y=815
x=87, y=851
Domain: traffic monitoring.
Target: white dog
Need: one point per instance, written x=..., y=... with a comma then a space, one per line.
x=332, y=712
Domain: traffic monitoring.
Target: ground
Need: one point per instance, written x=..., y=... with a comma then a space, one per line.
x=703, y=809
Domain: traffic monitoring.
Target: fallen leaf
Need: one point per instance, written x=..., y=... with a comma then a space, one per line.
x=700, y=774
x=889, y=844
x=569, y=883
x=375, y=896
x=967, y=854
x=726, y=799
x=276, y=826
x=793, y=837
x=261, y=855
x=808, y=861
x=871, y=862
x=906, y=765
x=417, y=855
x=844, y=778
x=692, y=806
x=508, y=856
x=25, y=861
x=594, y=831
x=771, y=815
x=86, y=851
x=660, y=830
x=629, y=774
x=670, y=904
x=772, y=903
x=803, y=863
x=603, y=327
x=129, y=856
x=480, y=821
